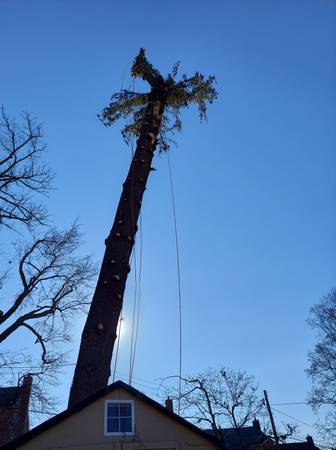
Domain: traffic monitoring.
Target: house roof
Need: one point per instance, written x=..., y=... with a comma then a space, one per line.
x=101, y=393
x=308, y=445
x=248, y=436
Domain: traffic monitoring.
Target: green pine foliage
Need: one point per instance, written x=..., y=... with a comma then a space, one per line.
x=130, y=106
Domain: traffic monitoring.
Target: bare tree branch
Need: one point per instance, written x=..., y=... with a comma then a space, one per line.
x=322, y=363
x=53, y=288
x=39, y=339
x=54, y=284
x=21, y=173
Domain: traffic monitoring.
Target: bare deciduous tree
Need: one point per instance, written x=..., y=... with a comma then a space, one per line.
x=52, y=284
x=322, y=363
x=44, y=284
x=21, y=172
x=220, y=398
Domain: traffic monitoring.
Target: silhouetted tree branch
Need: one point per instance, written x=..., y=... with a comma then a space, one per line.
x=322, y=363
x=284, y=431
x=21, y=172
x=54, y=282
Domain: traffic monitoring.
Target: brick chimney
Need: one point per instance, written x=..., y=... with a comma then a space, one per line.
x=25, y=399
x=310, y=441
x=256, y=424
x=14, y=415
x=169, y=404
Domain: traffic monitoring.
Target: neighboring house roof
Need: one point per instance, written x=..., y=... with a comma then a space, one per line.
x=101, y=393
x=308, y=445
x=246, y=437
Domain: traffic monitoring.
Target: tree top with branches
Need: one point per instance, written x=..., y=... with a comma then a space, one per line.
x=126, y=104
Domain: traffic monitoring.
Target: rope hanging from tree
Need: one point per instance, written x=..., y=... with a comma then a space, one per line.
x=178, y=278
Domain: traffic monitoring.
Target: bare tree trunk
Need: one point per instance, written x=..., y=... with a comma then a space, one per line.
x=93, y=365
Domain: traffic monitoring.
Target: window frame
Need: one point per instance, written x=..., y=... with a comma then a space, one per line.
x=118, y=433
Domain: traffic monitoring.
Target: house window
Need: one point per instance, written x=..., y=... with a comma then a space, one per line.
x=119, y=417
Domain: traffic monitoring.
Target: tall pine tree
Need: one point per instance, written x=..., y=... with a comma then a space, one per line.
x=154, y=117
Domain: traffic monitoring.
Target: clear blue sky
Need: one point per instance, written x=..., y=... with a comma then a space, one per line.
x=255, y=187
